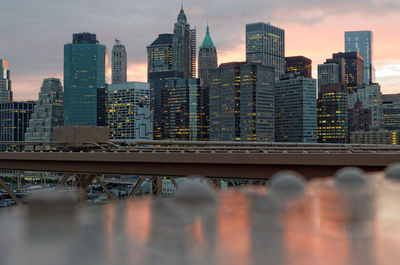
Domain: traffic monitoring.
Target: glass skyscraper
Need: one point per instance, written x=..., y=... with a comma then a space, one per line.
x=354, y=73
x=361, y=42
x=242, y=102
x=265, y=44
x=295, y=109
x=85, y=75
x=5, y=82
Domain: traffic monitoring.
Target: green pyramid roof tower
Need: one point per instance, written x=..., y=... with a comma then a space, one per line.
x=207, y=42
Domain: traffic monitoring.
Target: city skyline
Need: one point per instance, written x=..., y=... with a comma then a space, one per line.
x=37, y=37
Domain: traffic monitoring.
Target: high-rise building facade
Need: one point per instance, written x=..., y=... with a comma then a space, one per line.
x=354, y=69
x=242, y=102
x=184, y=47
x=265, y=44
x=370, y=97
x=332, y=72
x=208, y=61
x=5, y=82
x=129, y=116
x=333, y=123
x=85, y=76
x=119, y=63
x=14, y=119
x=295, y=109
x=361, y=42
x=161, y=78
x=47, y=113
x=391, y=112
x=299, y=64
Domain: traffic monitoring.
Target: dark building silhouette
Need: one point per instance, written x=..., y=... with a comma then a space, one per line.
x=242, y=102
x=354, y=69
x=333, y=124
x=207, y=61
x=359, y=118
x=299, y=64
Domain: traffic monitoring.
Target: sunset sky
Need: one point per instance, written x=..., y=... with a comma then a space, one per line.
x=33, y=32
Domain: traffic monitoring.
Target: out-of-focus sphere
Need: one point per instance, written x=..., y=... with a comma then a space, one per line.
x=350, y=177
x=393, y=172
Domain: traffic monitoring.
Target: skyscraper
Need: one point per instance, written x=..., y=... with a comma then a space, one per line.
x=47, y=113
x=119, y=63
x=265, y=44
x=128, y=110
x=391, y=112
x=332, y=72
x=5, y=82
x=333, y=124
x=85, y=75
x=207, y=61
x=14, y=118
x=295, y=109
x=162, y=78
x=361, y=42
x=299, y=64
x=354, y=70
x=184, y=47
x=242, y=102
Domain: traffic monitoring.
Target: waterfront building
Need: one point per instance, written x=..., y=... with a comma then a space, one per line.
x=361, y=42
x=265, y=44
x=299, y=64
x=47, y=113
x=354, y=69
x=333, y=117
x=295, y=109
x=14, y=119
x=85, y=75
x=5, y=82
x=391, y=112
x=370, y=97
x=129, y=116
x=207, y=61
x=184, y=47
x=242, y=102
x=375, y=136
x=119, y=63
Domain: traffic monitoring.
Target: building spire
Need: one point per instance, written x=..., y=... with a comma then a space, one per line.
x=207, y=42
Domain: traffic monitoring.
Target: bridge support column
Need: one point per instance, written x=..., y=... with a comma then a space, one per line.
x=10, y=192
x=156, y=186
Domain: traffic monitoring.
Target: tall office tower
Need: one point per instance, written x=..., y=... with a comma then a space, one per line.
x=368, y=97
x=85, y=75
x=265, y=44
x=207, y=61
x=119, y=63
x=14, y=119
x=242, y=102
x=162, y=78
x=391, y=112
x=47, y=113
x=354, y=69
x=184, y=110
x=332, y=72
x=361, y=42
x=333, y=114
x=184, y=47
x=295, y=109
x=5, y=82
x=299, y=64
x=128, y=111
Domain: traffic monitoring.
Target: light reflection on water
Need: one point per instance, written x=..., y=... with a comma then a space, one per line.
x=325, y=226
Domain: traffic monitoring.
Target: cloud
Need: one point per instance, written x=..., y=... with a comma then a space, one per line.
x=34, y=32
